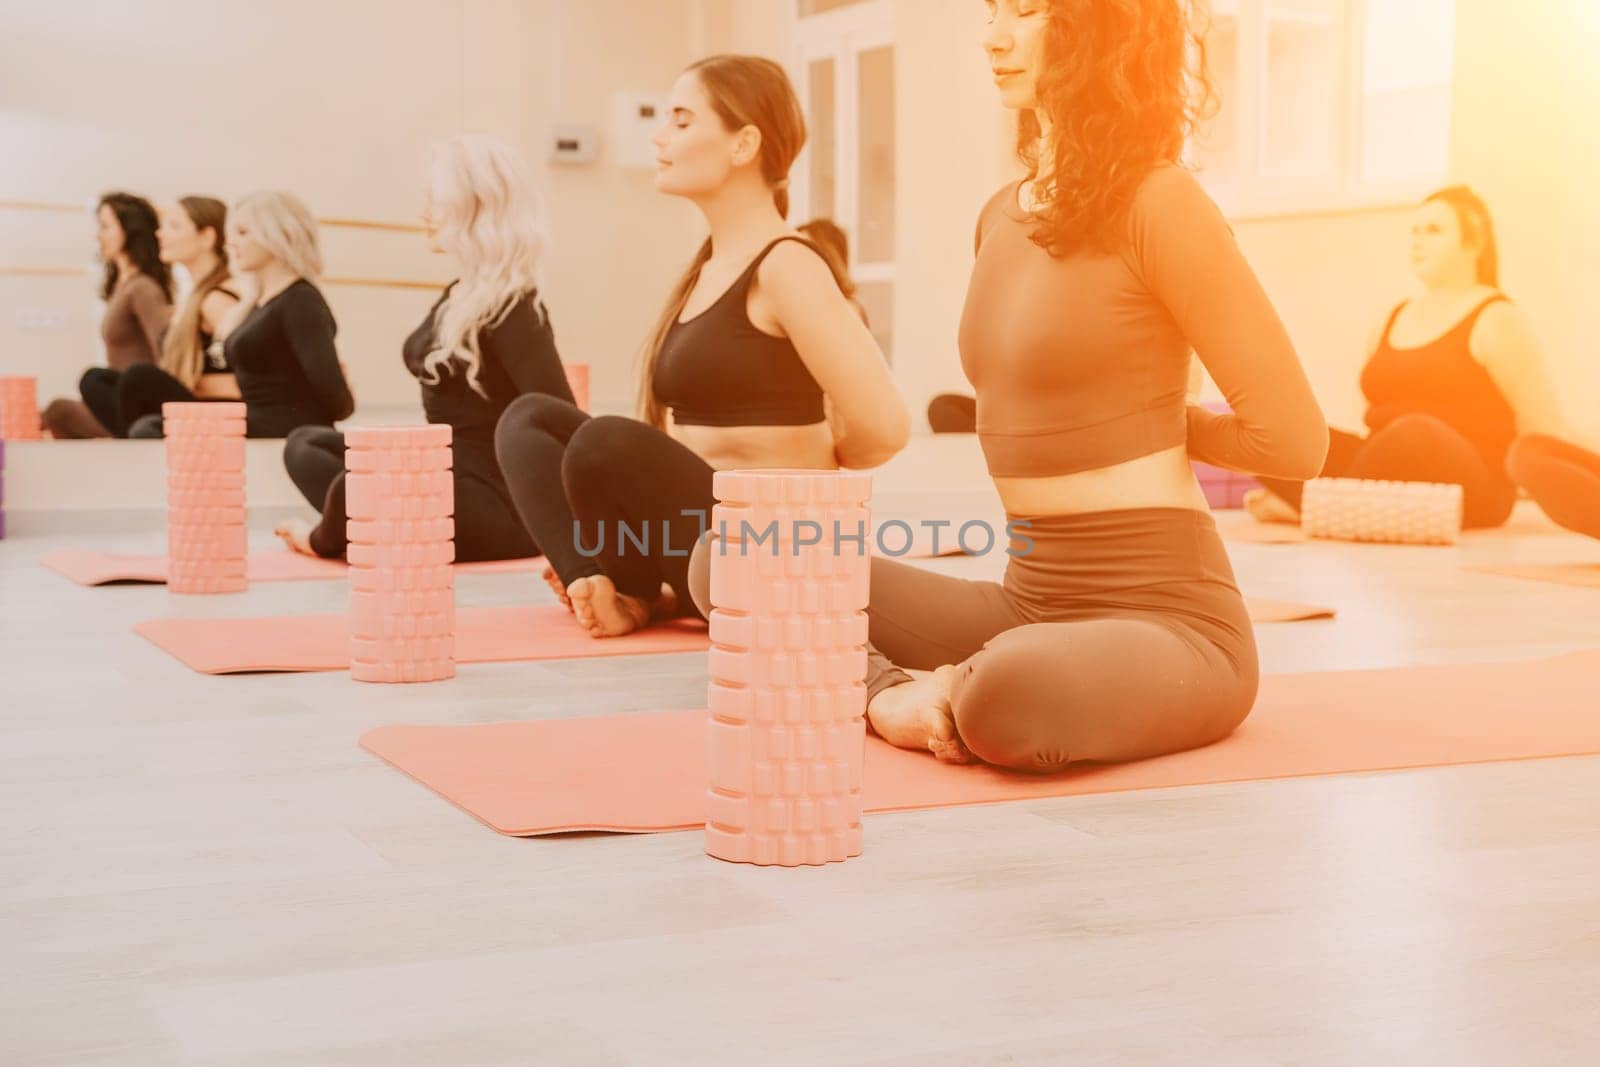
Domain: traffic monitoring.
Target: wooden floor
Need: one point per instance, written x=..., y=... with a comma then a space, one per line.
x=201, y=870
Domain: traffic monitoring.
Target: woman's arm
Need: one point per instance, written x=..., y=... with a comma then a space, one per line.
x=870, y=420
x=217, y=314
x=309, y=327
x=152, y=311
x=1186, y=254
x=1504, y=342
x=524, y=344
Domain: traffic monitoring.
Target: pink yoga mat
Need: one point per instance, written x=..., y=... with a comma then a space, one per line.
x=303, y=643
x=280, y=565
x=322, y=642
x=647, y=772
x=1583, y=575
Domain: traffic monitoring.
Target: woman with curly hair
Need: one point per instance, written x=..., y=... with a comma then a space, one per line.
x=1119, y=632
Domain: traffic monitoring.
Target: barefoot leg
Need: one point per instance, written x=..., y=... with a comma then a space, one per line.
x=603, y=611
x=917, y=716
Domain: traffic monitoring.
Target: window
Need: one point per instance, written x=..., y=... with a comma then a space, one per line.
x=1327, y=103
x=845, y=77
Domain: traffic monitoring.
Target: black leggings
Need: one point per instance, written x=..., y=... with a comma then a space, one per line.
x=1417, y=448
x=1563, y=478
x=953, y=413
x=487, y=528
x=619, y=485
x=121, y=398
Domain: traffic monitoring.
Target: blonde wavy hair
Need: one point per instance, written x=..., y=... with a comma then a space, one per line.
x=284, y=226
x=486, y=216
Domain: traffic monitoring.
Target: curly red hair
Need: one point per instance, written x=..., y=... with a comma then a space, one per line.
x=1124, y=84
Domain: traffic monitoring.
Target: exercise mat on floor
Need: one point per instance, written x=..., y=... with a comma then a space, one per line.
x=299, y=643
x=647, y=772
x=87, y=567
x=1583, y=575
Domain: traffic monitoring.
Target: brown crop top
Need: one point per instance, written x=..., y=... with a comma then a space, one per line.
x=1082, y=362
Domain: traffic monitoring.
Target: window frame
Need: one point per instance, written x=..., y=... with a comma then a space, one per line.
x=1260, y=194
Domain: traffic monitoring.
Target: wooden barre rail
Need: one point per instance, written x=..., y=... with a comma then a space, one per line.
x=349, y=224
x=368, y=283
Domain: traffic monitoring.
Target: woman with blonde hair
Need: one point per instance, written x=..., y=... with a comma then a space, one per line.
x=281, y=352
x=192, y=366
x=753, y=346
x=487, y=341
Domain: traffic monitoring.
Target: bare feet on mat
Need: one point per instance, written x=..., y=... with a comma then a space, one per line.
x=296, y=534
x=603, y=611
x=917, y=715
x=553, y=580
x=1267, y=506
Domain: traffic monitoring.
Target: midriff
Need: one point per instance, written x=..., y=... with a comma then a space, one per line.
x=760, y=447
x=1162, y=479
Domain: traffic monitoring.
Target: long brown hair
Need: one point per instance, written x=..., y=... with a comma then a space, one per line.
x=181, y=354
x=1472, y=214
x=1124, y=83
x=744, y=91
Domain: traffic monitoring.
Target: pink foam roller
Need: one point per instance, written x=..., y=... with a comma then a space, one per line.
x=19, y=408
x=407, y=531
x=203, y=410
x=207, y=540
x=370, y=460
x=578, y=379
x=200, y=480
x=188, y=455
x=1353, y=509
x=787, y=663
x=372, y=613
x=205, y=500
x=365, y=579
x=391, y=438
x=400, y=498
x=402, y=556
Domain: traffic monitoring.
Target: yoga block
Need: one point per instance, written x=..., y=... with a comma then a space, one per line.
x=192, y=454
x=393, y=460
x=787, y=702
x=1352, y=509
x=203, y=411
x=578, y=379
x=401, y=556
x=403, y=496
x=400, y=531
x=19, y=409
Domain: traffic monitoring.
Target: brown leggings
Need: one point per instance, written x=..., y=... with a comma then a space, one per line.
x=1563, y=478
x=1116, y=636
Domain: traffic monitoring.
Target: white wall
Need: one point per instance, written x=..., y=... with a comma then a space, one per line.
x=338, y=102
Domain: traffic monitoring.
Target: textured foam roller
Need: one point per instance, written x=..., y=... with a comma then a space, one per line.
x=787, y=732
x=207, y=541
x=393, y=438
x=400, y=496
x=1350, y=509
x=19, y=408
x=578, y=379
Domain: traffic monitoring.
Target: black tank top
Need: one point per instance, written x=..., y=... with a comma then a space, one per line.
x=717, y=369
x=1441, y=379
x=216, y=360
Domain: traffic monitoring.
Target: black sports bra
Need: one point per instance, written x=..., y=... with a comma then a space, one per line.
x=717, y=369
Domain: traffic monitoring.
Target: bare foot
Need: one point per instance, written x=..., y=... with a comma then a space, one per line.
x=603, y=611
x=296, y=534
x=917, y=715
x=553, y=580
x=1267, y=506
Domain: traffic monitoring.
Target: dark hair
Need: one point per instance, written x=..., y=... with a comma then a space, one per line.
x=1476, y=225
x=181, y=354
x=138, y=221
x=744, y=91
x=835, y=248
x=1124, y=83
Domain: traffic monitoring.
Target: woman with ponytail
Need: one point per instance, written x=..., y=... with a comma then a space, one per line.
x=1452, y=377
x=192, y=366
x=755, y=345
x=486, y=341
